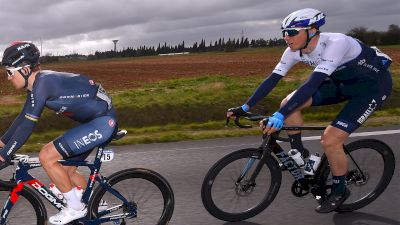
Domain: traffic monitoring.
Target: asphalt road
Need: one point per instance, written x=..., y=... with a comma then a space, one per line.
x=184, y=165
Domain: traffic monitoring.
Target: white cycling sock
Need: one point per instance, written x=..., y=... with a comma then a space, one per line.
x=73, y=201
x=79, y=192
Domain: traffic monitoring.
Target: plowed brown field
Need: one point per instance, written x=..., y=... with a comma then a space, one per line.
x=126, y=73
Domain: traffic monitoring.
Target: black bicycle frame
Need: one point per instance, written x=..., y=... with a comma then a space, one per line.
x=269, y=145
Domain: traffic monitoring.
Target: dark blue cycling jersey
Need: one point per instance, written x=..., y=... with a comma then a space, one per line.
x=73, y=95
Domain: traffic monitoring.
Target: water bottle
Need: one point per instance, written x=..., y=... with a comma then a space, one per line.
x=296, y=156
x=312, y=164
x=57, y=192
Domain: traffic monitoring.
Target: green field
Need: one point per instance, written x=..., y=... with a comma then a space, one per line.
x=194, y=108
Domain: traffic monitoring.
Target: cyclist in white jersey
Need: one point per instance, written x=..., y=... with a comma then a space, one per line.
x=345, y=70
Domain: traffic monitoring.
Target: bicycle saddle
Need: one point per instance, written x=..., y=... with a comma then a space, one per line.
x=120, y=134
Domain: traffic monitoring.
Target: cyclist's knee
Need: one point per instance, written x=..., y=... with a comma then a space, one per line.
x=49, y=155
x=71, y=170
x=331, y=143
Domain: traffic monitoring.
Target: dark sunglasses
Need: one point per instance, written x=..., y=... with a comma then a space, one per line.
x=291, y=32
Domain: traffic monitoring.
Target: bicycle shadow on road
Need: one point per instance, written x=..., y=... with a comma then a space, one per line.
x=241, y=223
x=362, y=218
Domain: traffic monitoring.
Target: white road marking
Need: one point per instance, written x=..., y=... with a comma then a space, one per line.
x=362, y=134
x=256, y=144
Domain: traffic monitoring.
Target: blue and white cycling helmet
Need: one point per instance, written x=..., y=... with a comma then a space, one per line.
x=304, y=18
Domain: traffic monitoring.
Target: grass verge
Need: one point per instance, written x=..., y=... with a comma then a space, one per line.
x=194, y=108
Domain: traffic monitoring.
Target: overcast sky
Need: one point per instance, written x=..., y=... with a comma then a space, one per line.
x=84, y=26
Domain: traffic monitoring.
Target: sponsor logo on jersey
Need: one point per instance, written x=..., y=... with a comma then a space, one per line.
x=32, y=100
x=343, y=124
x=12, y=147
x=368, y=112
x=364, y=63
x=322, y=69
x=85, y=140
x=62, y=110
x=75, y=96
x=63, y=149
x=111, y=123
x=311, y=62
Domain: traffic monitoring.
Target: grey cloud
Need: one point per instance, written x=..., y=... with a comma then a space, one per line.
x=77, y=25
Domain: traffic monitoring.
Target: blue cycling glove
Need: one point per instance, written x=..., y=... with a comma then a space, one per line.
x=276, y=120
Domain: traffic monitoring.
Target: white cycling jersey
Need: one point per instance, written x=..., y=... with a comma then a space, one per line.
x=332, y=51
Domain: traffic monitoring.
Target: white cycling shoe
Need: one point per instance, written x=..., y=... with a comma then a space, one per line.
x=67, y=215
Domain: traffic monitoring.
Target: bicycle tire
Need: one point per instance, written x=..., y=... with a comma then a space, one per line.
x=269, y=193
x=138, y=175
x=383, y=152
x=26, y=195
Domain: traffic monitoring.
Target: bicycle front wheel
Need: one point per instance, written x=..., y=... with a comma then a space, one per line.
x=371, y=167
x=226, y=192
x=147, y=190
x=29, y=208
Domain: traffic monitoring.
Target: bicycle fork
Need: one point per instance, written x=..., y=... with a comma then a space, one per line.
x=250, y=163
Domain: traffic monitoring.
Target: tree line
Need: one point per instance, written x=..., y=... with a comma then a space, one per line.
x=222, y=44
x=371, y=37
x=389, y=37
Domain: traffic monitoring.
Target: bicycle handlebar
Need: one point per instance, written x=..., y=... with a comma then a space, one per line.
x=257, y=117
x=249, y=116
x=14, y=160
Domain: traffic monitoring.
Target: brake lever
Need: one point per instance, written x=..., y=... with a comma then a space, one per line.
x=237, y=123
x=241, y=125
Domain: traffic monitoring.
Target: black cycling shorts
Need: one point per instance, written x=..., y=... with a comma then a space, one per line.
x=362, y=97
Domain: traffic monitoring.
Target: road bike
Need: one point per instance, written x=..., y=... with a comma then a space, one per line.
x=132, y=196
x=245, y=182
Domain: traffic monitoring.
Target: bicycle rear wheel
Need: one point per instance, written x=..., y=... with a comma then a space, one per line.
x=227, y=199
x=29, y=209
x=147, y=190
x=368, y=175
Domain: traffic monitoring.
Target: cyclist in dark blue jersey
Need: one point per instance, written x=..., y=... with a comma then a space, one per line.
x=345, y=70
x=73, y=95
